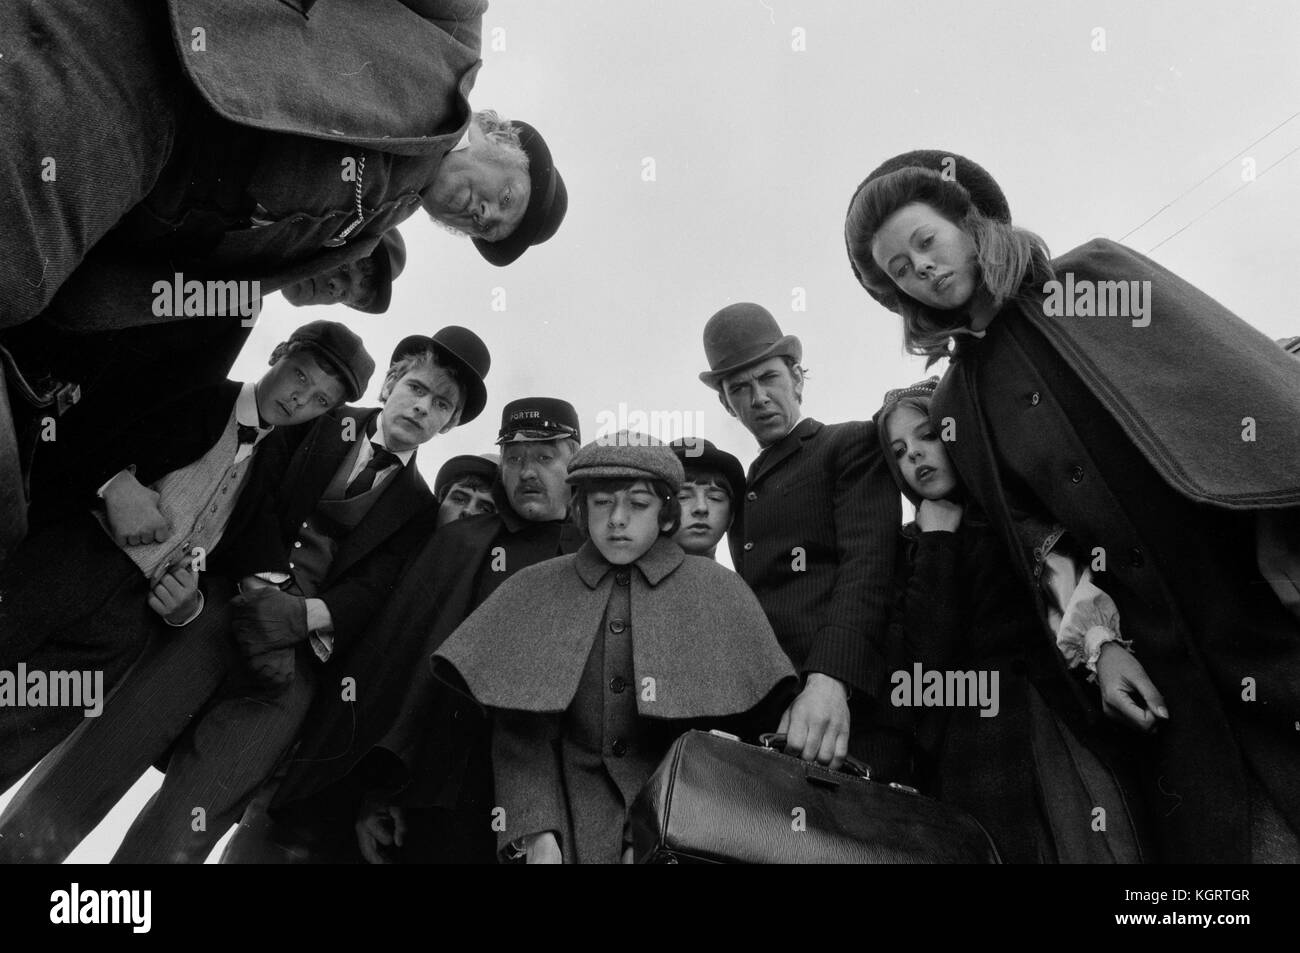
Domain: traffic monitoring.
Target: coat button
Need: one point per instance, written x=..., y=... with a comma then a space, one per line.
x=298, y=544
x=304, y=525
x=748, y=547
x=1076, y=475
x=617, y=626
x=622, y=577
x=290, y=565
x=1135, y=558
x=619, y=748
x=1034, y=398
x=751, y=496
x=456, y=715
x=617, y=684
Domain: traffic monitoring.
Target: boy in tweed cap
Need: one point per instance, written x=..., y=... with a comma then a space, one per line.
x=613, y=663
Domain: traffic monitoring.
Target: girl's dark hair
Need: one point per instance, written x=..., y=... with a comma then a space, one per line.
x=670, y=509
x=1010, y=262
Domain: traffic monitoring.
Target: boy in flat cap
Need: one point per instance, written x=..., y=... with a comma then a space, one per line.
x=349, y=507
x=404, y=772
x=169, y=497
x=629, y=643
x=711, y=495
x=464, y=487
x=816, y=539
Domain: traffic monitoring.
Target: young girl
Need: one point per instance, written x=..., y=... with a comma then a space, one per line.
x=1016, y=767
x=1105, y=394
x=592, y=664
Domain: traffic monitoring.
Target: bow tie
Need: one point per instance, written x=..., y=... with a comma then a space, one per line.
x=247, y=434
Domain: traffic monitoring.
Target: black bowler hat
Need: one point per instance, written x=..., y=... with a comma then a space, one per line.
x=538, y=418
x=548, y=200
x=700, y=454
x=467, y=351
x=741, y=335
x=389, y=258
x=484, y=465
x=343, y=348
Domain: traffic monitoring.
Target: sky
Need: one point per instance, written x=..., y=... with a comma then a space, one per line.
x=710, y=148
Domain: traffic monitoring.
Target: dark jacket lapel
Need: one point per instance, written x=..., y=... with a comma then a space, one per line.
x=783, y=449
x=405, y=494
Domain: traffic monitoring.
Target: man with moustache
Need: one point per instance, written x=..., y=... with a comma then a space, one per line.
x=815, y=541
x=349, y=508
x=408, y=763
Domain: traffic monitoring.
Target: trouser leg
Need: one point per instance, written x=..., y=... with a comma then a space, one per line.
x=77, y=785
x=216, y=767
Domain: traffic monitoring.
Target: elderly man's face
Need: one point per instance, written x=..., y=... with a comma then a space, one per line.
x=480, y=190
x=352, y=284
x=463, y=501
x=533, y=473
x=765, y=398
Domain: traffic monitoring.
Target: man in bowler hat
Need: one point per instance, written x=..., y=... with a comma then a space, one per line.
x=230, y=143
x=404, y=773
x=348, y=508
x=815, y=540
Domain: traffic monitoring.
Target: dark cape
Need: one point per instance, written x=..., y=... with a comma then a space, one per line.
x=1132, y=439
x=1183, y=386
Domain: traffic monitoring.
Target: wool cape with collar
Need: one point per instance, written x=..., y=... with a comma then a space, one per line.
x=1181, y=387
x=696, y=630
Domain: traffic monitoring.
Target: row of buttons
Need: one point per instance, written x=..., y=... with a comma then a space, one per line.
x=1135, y=557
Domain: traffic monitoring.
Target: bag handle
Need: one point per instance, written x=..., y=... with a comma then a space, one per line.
x=851, y=766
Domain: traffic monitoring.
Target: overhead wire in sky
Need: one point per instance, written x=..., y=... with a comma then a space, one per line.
x=1224, y=199
x=1188, y=191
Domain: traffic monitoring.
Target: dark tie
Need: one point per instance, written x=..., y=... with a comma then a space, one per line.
x=247, y=434
x=381, y=460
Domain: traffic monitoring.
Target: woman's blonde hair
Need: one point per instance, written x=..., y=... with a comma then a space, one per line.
x=1010, y=261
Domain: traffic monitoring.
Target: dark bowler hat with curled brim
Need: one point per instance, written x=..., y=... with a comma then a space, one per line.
x=548, y=200
x=343, y=348
x=467, y=351
x=740, y=336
